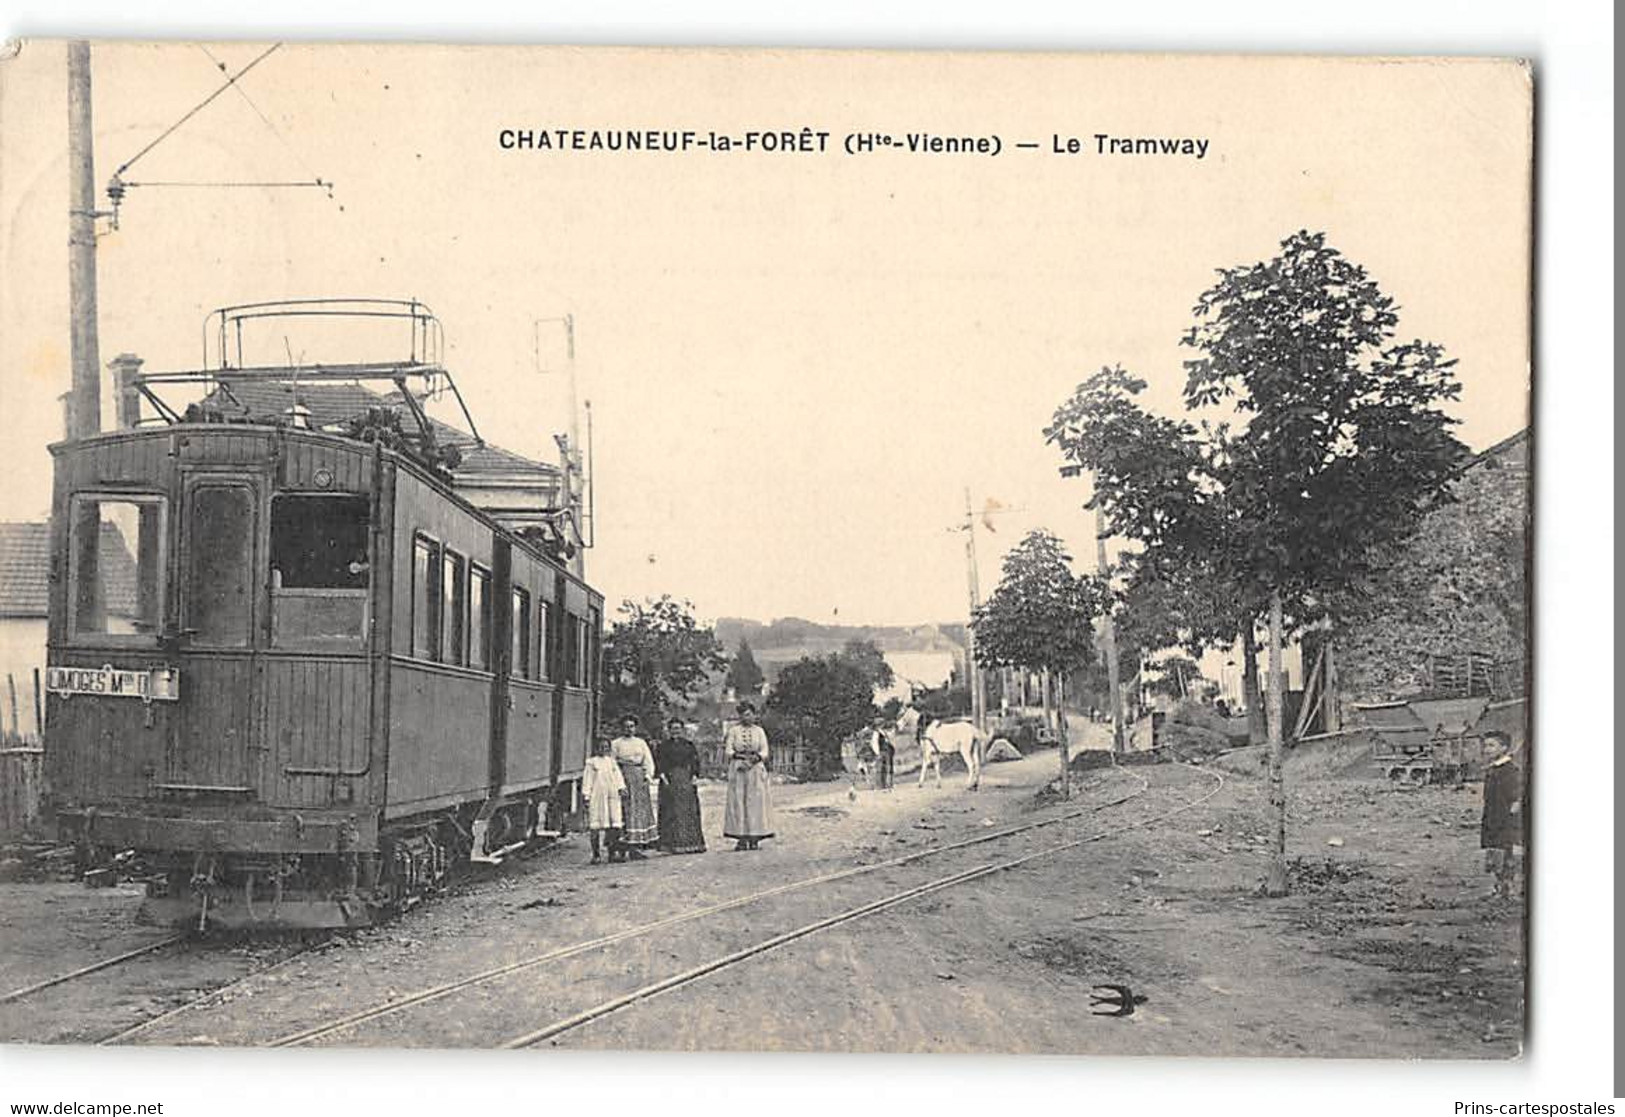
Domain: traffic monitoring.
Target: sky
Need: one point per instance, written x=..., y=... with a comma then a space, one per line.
x=798, y=364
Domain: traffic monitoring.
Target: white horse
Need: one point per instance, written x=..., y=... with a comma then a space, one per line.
x=943, y=737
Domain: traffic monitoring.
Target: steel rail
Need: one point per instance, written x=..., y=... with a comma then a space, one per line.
x=27, y=990
x=199, y=1001
x=704, y=969
x=424, y=996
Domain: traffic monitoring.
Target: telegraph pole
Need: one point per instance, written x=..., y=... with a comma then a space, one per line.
x=973, y=674
x=571, y=486
x=572, y=457
x=85, y=397
x=588, y=487
x=1109, y=630
x=85, y=410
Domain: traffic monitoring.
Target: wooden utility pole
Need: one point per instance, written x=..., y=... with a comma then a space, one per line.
x=1333, y=718
x=572, y=456
x=1275, y=883
x=85, y=397
x=85, y=413
x=571, y=486
x=973, y=674
x=1114, y=684
x=1062, y=737
x=589, y=520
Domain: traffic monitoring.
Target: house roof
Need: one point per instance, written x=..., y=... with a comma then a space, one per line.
x=25, y=563
x=1502, y=446
x=333, y=403
x=25, y=560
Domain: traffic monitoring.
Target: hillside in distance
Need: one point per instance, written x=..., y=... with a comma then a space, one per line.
x=787, y=639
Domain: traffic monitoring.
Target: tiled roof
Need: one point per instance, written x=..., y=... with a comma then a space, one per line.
x=270, y=400
x=25, y=561
x=330, y=403
x=1501, y=448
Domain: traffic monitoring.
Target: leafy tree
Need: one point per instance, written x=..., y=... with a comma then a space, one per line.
x=951, y=700
x=744, y=676
x=1331, y=445
x=1177, y=676
x=867, y=657
x=823, y=701
x=657, y=657
x=1041, y=616
x=1190, y=606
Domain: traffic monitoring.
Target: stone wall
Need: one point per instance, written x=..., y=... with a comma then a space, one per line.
x=1459, y=585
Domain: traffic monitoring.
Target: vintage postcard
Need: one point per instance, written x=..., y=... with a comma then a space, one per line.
x=764, y=550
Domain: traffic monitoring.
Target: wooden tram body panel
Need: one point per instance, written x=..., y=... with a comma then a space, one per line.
x=322, y=704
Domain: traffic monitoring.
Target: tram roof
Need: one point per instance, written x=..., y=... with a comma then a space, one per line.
x=330, y=404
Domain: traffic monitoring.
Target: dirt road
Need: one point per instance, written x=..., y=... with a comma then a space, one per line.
x=1388, y=946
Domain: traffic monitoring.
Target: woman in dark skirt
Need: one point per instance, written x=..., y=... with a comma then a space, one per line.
x=677, y=761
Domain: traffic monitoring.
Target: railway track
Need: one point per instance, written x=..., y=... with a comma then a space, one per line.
x=203, y=1000
x=94, y=967
x=398, y=1005
x=200, y=1001
x=737, y=957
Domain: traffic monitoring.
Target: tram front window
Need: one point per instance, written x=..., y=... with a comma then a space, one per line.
x=116, y=567
x=320, y=567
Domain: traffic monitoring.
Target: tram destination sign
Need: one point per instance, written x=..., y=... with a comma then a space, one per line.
x=161, y=684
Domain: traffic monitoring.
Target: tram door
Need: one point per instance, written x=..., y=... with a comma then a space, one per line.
x=218, y=606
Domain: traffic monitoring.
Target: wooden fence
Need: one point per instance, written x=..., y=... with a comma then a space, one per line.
x=22, y=761
x=22, y=791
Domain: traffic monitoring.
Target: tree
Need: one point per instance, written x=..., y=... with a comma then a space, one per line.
x=1041, y=617
x=1191, y=606
x=951, y=700
x=867, y=657
x=657, y=657
x=1178, y=676
x=744, y=676
x=823, y=701
x=1332, y=445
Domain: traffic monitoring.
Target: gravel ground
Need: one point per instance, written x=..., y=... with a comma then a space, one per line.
x=1389, y=944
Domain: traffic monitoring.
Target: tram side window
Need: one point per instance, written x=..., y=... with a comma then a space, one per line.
x=520, y=631
x=479, y=618
x=567, y=649
x=116, y=567
x=583, y=652
x=576, y=650
x=425, y=598
x=595, y=645
x=454, y=609
x=320, y=567
x=547, y=667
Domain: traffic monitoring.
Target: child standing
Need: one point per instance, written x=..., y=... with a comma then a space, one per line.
x=601, y=786
x=1501, y=833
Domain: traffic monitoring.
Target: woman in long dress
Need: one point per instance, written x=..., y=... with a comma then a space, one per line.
x=677, y=761
x=640, y=829
x=748, y=818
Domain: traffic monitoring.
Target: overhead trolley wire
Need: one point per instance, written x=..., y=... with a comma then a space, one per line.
x=315, y=179
x=231, y=80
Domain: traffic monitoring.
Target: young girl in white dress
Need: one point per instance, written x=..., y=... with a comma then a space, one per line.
x=601, y=787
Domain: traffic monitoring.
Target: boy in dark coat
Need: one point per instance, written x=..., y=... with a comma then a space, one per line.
x=1501, y=834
